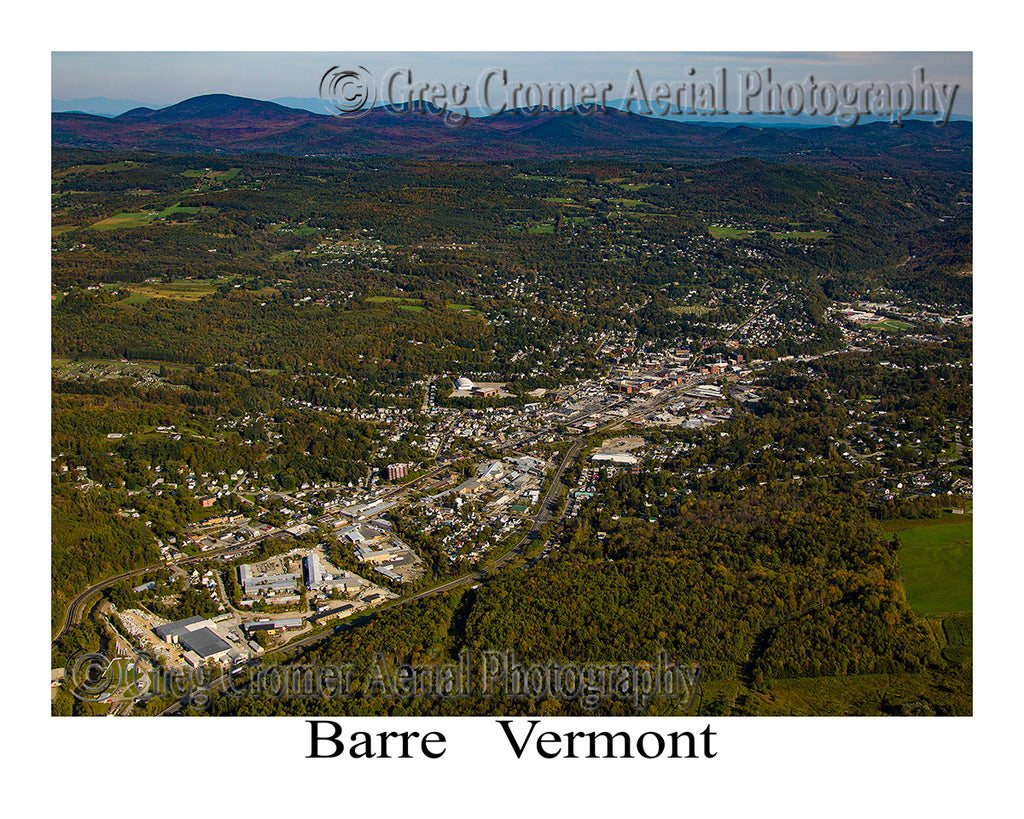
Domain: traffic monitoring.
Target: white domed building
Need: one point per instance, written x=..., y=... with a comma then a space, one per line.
x=464, y=384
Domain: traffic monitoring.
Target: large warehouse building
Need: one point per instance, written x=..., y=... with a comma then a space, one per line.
x=263, y=583
x=313, y=573
x=197, y=636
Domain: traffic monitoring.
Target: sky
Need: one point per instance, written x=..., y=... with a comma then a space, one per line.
x=163, y=78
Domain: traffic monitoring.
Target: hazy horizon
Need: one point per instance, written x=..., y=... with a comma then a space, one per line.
x=159, y=79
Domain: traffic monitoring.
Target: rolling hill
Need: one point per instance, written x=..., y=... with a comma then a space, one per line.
x=220, y=123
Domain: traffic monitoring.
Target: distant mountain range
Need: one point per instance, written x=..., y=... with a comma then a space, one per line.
x=219, y=123
x=100, y=106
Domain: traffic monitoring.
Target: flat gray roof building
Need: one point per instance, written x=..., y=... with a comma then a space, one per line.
x=169, y=631
x=313, y=575
x=204, y=642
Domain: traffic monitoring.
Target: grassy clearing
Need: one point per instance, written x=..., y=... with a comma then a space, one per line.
x=947, y=518
x=182, y=290
x=937, y=566
x=412, y=305
x=417, y=306
x=174, y=210
x=959, y=631
x=213, y=176
x=124, y=220
x=892, y=326
x=738, y=233
x=942, y=691
x=468, y=309
x=729, y=233
x=402, y=301
x=801, y=234
x=140, y=218
x=89, y=169
x=539, y=229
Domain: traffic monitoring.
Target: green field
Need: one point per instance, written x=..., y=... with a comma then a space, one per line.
x=937, y=566
x=183, y=289
x=412, y=305
x=213, y=176
x=173, y=210
x=124, y=220
x=738, y=233
x=946, y=518
x=801, y=234
x=137, y=219
x=405, y=304
x=892, y=325
x=538, y=229
x=729, y=233
x=416, y=305
x=959, y=632
x=106, y=168
x=297, y=230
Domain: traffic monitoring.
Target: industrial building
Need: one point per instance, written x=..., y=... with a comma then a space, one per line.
x=380, y=554
x=262, y=583
x=526, y=463
x=197, y=636
x=270, y=625
x=330, y=614
x=313, y=574
x=615, y=457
